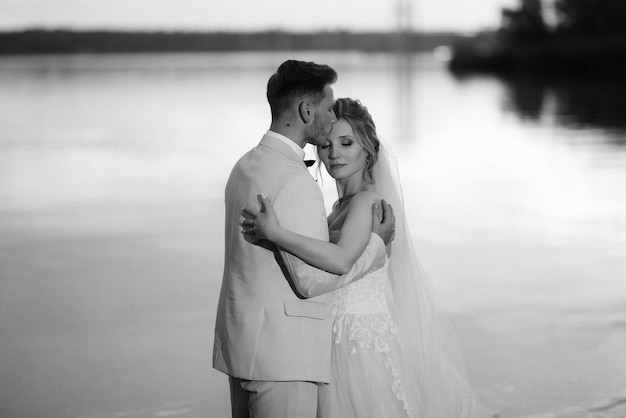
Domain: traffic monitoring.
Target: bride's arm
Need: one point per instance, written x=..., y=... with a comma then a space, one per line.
x=336, y=258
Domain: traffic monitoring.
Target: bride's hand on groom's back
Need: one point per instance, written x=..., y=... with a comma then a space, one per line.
x=260, y=223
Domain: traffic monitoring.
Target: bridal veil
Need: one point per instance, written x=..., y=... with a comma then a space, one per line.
x=433, y=367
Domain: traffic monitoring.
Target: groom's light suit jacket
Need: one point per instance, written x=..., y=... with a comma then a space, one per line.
x=273, y=317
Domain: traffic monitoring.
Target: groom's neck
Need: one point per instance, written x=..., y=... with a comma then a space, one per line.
x=288, y=130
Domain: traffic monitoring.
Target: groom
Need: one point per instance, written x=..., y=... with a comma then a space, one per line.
x=273, y=327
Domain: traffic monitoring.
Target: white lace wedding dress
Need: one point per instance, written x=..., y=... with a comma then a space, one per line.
x=369, y=375
x=394, y=353
x=365, y=373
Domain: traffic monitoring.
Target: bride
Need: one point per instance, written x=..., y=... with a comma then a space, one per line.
x=393, y=353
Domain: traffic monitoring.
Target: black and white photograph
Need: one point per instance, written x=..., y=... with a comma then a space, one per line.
x=333, y=209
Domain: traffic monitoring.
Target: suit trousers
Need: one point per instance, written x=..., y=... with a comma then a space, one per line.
x=267, y=399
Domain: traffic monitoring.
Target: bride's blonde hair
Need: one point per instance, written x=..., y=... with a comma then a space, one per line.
x=361, y=122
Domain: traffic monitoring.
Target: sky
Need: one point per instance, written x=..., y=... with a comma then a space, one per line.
x=251, y=15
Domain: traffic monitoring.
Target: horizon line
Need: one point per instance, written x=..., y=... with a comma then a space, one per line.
x=36, y=28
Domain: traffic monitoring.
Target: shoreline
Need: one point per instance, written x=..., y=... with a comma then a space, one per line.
x=43, y=41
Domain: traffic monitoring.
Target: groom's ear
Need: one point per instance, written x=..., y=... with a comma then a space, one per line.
x=305, y=110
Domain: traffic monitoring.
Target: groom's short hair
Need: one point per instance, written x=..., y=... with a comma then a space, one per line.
x=297, y=81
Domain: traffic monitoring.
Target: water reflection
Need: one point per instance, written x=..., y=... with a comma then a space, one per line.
x=574, y=104
x=112, y=170
x=405, y=67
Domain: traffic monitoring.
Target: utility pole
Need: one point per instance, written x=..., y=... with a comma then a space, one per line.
x=404, y=16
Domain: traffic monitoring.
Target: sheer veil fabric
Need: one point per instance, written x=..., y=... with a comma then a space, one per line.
x=432, y=367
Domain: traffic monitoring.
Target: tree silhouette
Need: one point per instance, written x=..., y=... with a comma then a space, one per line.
x=591, y=17
x=527, y=22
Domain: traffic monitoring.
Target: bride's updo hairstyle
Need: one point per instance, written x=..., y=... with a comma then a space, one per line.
x=361, y=122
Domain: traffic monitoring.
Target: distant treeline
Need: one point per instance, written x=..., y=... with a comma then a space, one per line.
x=550, y=57
x=583, y=38
x=65, y=41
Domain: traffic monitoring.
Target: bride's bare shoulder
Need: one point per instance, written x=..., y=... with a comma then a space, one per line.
x=366, y=198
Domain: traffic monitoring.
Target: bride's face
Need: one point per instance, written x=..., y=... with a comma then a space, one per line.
x=342, y=155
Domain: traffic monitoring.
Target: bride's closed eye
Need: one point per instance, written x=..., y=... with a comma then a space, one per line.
x=346, y=140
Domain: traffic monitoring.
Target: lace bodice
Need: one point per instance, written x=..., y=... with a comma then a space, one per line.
x=361, y=310
x=365, y=296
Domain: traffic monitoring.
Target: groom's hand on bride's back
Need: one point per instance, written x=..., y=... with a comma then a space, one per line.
x=383, y=221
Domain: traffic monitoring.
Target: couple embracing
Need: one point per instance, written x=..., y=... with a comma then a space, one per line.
x=328, y=317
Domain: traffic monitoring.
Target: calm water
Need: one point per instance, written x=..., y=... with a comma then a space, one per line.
x=112, y=171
